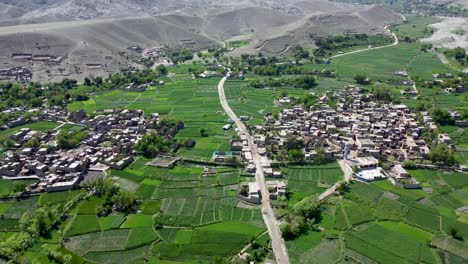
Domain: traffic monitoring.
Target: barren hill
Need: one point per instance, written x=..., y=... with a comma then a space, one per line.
x=92, y=36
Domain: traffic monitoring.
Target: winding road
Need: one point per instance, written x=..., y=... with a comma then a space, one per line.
x=396, y=41
x=277, y=241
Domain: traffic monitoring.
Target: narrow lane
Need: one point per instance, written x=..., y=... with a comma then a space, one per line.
x=277, y=241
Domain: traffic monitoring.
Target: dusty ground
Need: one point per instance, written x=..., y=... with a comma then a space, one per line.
x=445, y=37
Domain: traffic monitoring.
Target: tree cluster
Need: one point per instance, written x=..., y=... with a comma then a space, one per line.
x=441, y=117
x=303, y=81
x=441, y=154
x=301, y=218
x=31, y=225
x=115, y=199
x=70, y=140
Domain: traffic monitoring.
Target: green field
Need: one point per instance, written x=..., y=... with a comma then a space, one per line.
x=40, y=126
x=306, y=180
x=416, y=27
x=195, y=102
x=388, y=246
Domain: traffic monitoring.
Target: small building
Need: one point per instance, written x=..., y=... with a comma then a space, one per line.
x=236, y=145
x=400, y=172
x=276, y=189
x=443, y=139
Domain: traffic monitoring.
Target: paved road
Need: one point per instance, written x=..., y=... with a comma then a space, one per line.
x=348, y=174
x=277, y=241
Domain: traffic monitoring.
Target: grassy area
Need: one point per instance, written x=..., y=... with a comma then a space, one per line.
x=415, y=27
x=40, y=126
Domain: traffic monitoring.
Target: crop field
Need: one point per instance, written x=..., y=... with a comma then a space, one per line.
x=203, y=243
x=40, y=126
x=358, y=213
x=435, y=178
x=306, y=180
x=410, y=194
x=195, y=102
x=59, y=197
x=366, y=191
x=328, y=251
x=9, y=187
x=255, y=102
x=415, y=27
x=388, y=246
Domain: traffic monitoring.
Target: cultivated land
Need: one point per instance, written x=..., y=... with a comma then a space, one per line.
x=191, y=213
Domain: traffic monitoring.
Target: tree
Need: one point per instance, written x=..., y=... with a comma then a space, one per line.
x=305, y=82
x=441, y=117
x=203, y=133
x=308, y=207
x=442, y=154
x=32, y=143
x=162, y=70
x=244, y=190
x=295, y=155
x=382, y=94
x=152, y=144
x=124, y=201
x=361, y=79
x=70, y=140
x=454, y=233
x=320, y=158
x=98, y=81
x=87, y=82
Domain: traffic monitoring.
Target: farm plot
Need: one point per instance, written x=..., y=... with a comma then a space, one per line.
x=204, y=243
x=437, y=178
x=40, y=126
x=59, y=197
x=386, y=246
x=19, y=207
x=83, y=224
x=121, y=256
x=11, y=187
x=141, y=236
x=101, y=241
x=328, y=251
x=365, y=191
x=358, y=213
x=195, y=102
x=298, y=247
x=303, y=181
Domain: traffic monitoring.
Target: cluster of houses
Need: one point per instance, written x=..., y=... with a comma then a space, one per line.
x=441, y=79
x=356, y=126
x=16, y=74
x=108, y=144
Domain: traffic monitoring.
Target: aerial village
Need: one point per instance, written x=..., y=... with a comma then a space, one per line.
x=109, y=145
x=359, y=130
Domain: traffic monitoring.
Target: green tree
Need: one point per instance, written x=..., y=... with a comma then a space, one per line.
x=442, y=154
x=295, y=155
x=441, y=117
x=308, y=207
x=361, y=79
x=87, y=82
x=124, y=201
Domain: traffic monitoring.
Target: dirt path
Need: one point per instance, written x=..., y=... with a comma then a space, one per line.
x=396, y=41
x=277, y=241
x=348, y=175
